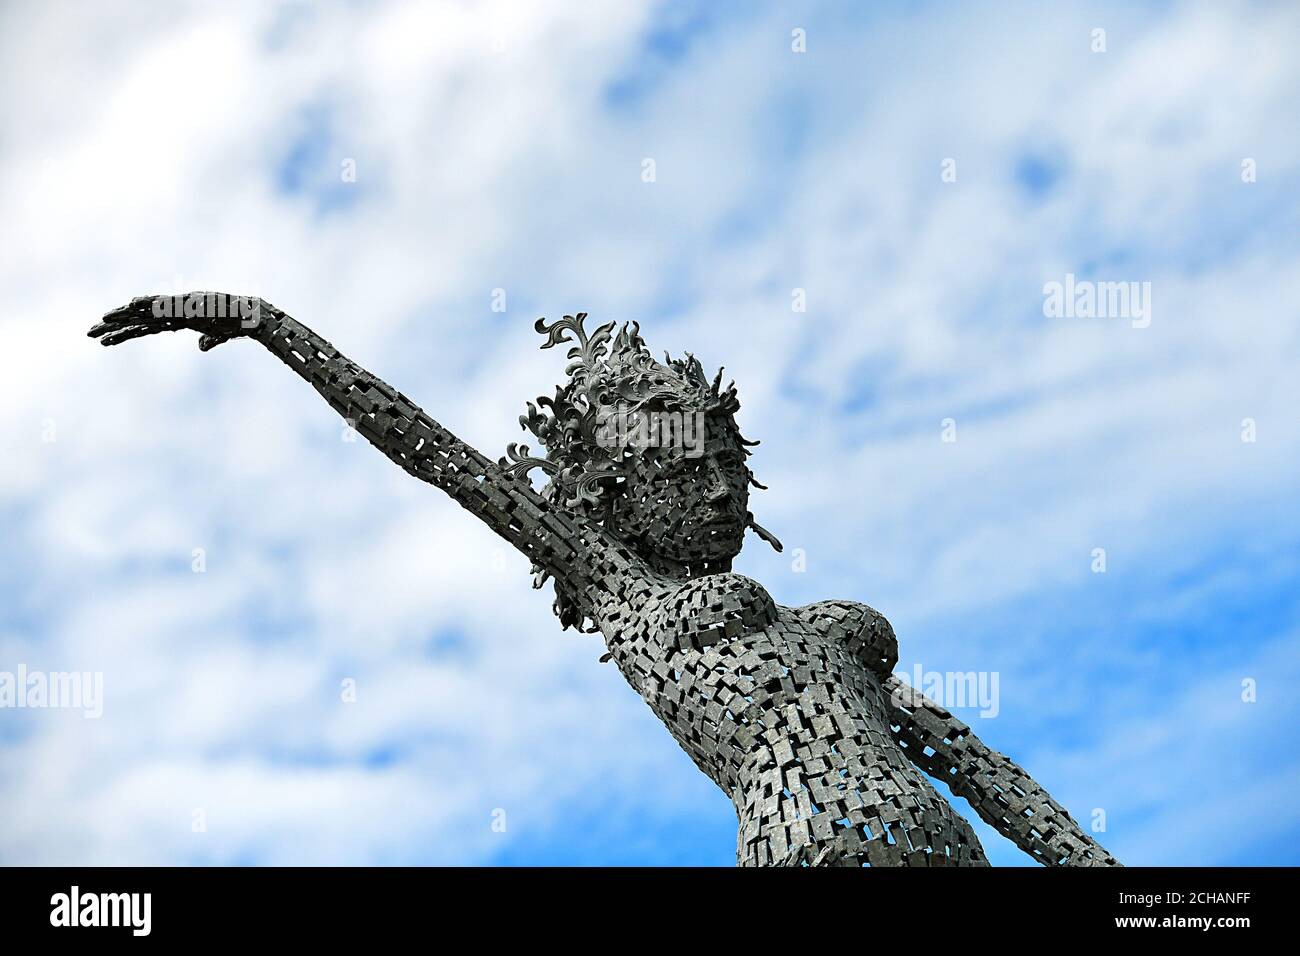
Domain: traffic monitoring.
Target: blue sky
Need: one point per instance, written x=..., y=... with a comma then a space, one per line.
x=162, y=148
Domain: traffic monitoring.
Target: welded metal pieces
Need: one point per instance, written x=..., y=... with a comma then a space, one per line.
x=793, y=711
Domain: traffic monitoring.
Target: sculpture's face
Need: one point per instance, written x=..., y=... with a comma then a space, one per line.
x=689, y=504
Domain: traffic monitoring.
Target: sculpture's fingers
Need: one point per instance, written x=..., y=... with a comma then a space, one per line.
x=141, y=309
x=135, y=309
x=126, y=333
x=120, y=319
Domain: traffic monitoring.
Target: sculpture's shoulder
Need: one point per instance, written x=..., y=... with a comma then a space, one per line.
x=715, y=607
x=862, y=629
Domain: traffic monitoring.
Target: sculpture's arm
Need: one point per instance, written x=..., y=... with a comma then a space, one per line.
x=558, y=541
x=1005, y=797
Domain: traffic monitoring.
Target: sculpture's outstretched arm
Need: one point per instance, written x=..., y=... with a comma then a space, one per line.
x=562, y=543
x=1005, y=797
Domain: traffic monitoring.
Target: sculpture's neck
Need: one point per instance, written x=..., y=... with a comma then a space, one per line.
x=684, y=572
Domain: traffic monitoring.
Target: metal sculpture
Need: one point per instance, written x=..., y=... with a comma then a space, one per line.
x=793, y=711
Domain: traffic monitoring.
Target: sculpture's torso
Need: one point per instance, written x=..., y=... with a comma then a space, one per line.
x=783, y=709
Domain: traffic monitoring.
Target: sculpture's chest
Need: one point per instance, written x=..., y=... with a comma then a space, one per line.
x=673, y=631
x=726, y=608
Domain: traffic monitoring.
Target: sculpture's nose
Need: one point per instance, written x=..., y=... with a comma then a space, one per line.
x=719, y=489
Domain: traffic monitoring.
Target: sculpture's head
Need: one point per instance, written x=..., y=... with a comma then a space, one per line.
x=684, y=500
x=650, y=450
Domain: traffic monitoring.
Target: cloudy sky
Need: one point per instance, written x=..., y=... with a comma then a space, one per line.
x=914, y=178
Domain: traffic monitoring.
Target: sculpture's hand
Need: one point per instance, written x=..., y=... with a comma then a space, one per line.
x=218, y=317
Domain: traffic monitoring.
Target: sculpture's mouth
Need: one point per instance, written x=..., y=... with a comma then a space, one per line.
x=728, y=522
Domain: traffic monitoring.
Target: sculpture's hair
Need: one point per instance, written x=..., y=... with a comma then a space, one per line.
x=609, y=375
